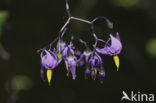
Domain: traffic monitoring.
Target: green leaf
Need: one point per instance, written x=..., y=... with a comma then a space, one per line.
x=3, y=17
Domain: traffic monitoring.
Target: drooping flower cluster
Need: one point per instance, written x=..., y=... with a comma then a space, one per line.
x=90, y=59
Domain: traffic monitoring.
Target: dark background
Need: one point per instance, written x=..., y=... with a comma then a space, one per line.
x=35, y=23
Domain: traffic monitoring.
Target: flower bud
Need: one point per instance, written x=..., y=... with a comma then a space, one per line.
x=93, y=74
x=87, y=73
x=43, y=75
x=101, y=75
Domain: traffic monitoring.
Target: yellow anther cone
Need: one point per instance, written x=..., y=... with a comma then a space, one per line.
x=95, y=71
x=49, y=75
x=117, y=61
x=66, y=67
x=59, y=56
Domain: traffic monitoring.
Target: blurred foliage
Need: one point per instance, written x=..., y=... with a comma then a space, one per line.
x=3, y=53
x=21, y=82
x=130, y=3
x=88, y=4
x=3, y=17
x=151, y=47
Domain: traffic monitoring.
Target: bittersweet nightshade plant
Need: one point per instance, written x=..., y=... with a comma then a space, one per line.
x=75, y=59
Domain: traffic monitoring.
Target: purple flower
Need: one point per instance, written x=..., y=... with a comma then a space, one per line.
x=49, y=60
x=93, y=73
x=80, y=58
x=70, y=60
x=60, y=47
x=113, y=49
x=95, y=60
x=87, y=72
x=71, y=66
x=87, y=53
x=68, y=50
x=101, y=75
